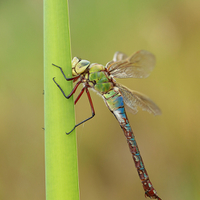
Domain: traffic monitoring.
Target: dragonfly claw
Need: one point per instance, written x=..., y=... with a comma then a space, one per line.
x=71, y=130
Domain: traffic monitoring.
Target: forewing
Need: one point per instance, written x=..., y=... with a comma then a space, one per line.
x=133, y=99
x=139, y=65
x=119, y=56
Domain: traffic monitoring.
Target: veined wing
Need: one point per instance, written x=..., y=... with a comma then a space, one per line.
x=138, y=65
x=119, y=56
x=133, y=99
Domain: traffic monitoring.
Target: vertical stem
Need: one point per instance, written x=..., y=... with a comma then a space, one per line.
x=60, y=150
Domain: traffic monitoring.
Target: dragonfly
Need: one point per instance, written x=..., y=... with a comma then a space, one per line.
x=100, y=78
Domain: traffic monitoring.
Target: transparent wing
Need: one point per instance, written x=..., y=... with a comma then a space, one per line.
x=139, y=65
x=119, y=56
x=133, y=99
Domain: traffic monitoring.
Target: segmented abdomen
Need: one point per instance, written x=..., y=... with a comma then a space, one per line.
x=114, y=101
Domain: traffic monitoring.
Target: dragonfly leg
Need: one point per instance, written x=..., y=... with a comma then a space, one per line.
x=91, y=104
x=68, y=79
x=78, y=97
x=72, y=92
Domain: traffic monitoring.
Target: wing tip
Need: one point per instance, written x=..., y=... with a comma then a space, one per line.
x=157, y=112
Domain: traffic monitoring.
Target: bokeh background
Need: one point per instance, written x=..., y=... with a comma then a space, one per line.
x=169, y=144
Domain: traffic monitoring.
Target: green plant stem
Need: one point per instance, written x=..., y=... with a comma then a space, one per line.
x=60, y=149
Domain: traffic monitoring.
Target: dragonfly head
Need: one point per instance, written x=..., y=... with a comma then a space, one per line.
x=79, y=66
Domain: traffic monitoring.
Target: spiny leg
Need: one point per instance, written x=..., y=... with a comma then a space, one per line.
x=72, y=92
x=79, y=96
x=68, y=79
x=91, y=104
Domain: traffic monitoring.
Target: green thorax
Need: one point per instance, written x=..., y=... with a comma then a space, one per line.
x=99, y=78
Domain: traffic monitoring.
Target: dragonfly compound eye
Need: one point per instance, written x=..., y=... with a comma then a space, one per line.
x=75, y=61
x=79, y=66
x=82, y=66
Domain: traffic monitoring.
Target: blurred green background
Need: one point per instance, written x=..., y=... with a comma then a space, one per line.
x=169, y=143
